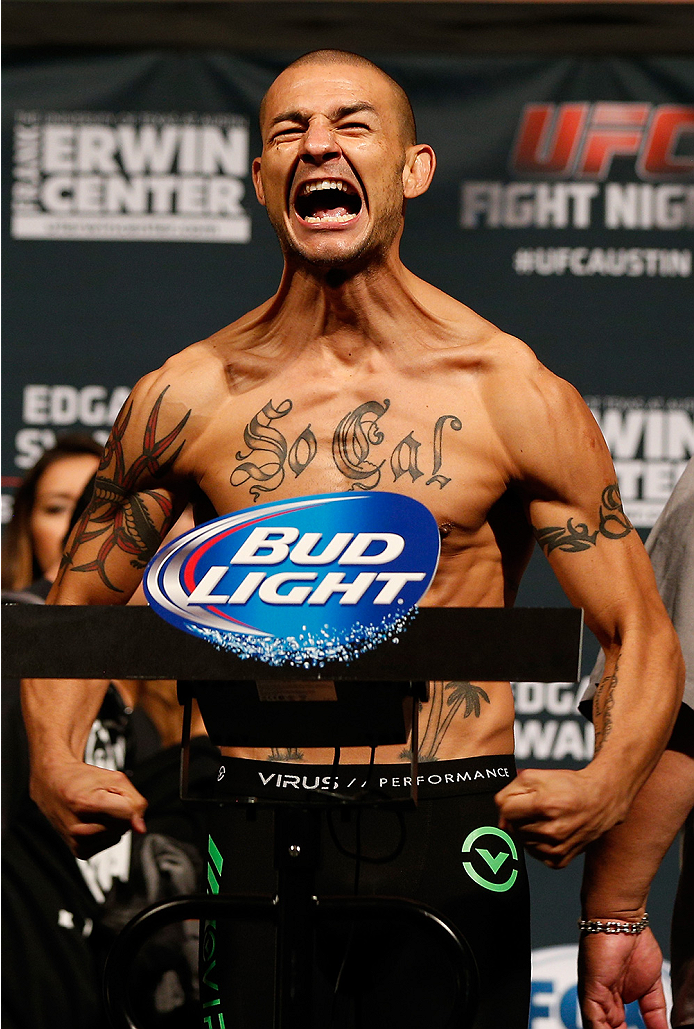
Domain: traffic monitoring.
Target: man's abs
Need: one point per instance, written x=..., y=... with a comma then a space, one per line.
x=461, y=719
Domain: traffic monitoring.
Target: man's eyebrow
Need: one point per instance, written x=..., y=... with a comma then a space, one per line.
x=300, y=116
x=349, y=109
x=336, y=115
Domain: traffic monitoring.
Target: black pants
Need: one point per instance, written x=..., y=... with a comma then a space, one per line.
x=447, y=853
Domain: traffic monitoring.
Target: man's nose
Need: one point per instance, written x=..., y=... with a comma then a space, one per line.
x=319, y=144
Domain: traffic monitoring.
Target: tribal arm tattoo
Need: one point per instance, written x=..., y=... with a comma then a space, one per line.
x=118, y=509
x=446, y=700
x=603, y=702
x=574, y=537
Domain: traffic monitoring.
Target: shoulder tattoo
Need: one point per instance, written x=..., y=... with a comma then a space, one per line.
x=119, y=514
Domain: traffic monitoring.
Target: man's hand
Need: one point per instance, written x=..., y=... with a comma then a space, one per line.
x=614, y=970
x=557, y=813
x=89, y=807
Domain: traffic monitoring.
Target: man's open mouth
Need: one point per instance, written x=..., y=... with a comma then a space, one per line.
x=323, y=200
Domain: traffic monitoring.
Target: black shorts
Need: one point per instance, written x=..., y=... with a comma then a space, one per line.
x=447, y=853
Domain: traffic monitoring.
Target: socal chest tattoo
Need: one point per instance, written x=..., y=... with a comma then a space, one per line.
x=353, y=439
x=574, y=537
x=269, y=456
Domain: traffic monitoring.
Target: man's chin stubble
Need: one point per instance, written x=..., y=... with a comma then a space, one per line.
x=366, y=254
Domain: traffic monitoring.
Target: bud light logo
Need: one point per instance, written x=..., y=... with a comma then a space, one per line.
x=300, y=581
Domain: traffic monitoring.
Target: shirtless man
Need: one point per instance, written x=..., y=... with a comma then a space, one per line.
x=406, y=390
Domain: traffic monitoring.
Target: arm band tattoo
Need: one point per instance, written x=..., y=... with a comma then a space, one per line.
x=572, y=537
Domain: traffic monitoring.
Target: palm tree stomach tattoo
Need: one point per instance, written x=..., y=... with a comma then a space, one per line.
x=446, y=700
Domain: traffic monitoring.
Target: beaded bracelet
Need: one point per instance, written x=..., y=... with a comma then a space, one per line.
x=600, y=925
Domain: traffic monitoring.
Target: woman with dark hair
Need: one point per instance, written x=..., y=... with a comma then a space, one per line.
x=43, y=505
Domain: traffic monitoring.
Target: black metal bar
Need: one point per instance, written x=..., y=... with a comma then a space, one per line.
x=539, y=644
x=129, y=941
x=414, y=751
x=297, y=834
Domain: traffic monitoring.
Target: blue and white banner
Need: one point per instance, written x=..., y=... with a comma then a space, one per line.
x=300, y=581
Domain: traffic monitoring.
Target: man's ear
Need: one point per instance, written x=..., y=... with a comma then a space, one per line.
x=257, y=181
x=418, y=172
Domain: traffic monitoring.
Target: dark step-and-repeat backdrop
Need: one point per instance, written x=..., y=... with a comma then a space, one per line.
x=562, y=211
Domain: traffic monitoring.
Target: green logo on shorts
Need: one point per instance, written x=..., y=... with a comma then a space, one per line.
x=490, y=858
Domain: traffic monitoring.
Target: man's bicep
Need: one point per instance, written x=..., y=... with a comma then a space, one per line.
x=571, y=486
x=138, y=494
x=111, y=545
x=578, y=519
x=560, y=459
x=599, y=560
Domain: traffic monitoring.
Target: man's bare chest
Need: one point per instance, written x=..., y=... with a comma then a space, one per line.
x=432, y=444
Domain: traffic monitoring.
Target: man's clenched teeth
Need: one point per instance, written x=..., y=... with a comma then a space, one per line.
x=327, y=200
x=331, y=216
x=311, y=187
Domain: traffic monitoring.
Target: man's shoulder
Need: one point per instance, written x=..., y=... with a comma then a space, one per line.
x=496, y=350
x=542, y=425
x=531, y=409
x=511, y=372
x=542, y=421
x=458, y=323
x=511, y=369
x=194, y=375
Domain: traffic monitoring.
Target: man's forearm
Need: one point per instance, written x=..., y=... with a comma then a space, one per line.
x=620, y=866
x=58, y=714
x=559, y=812
x=635, y=707
x=90, y=807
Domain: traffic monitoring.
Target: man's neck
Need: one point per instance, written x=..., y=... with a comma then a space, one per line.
x=341, y=309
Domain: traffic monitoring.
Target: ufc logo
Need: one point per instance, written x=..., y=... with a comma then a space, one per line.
x=582, y=139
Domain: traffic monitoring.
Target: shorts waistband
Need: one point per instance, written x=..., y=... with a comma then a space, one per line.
x=269, y=780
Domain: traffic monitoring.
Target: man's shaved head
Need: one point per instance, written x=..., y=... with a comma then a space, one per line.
x=400, y=98
x=339, y=161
